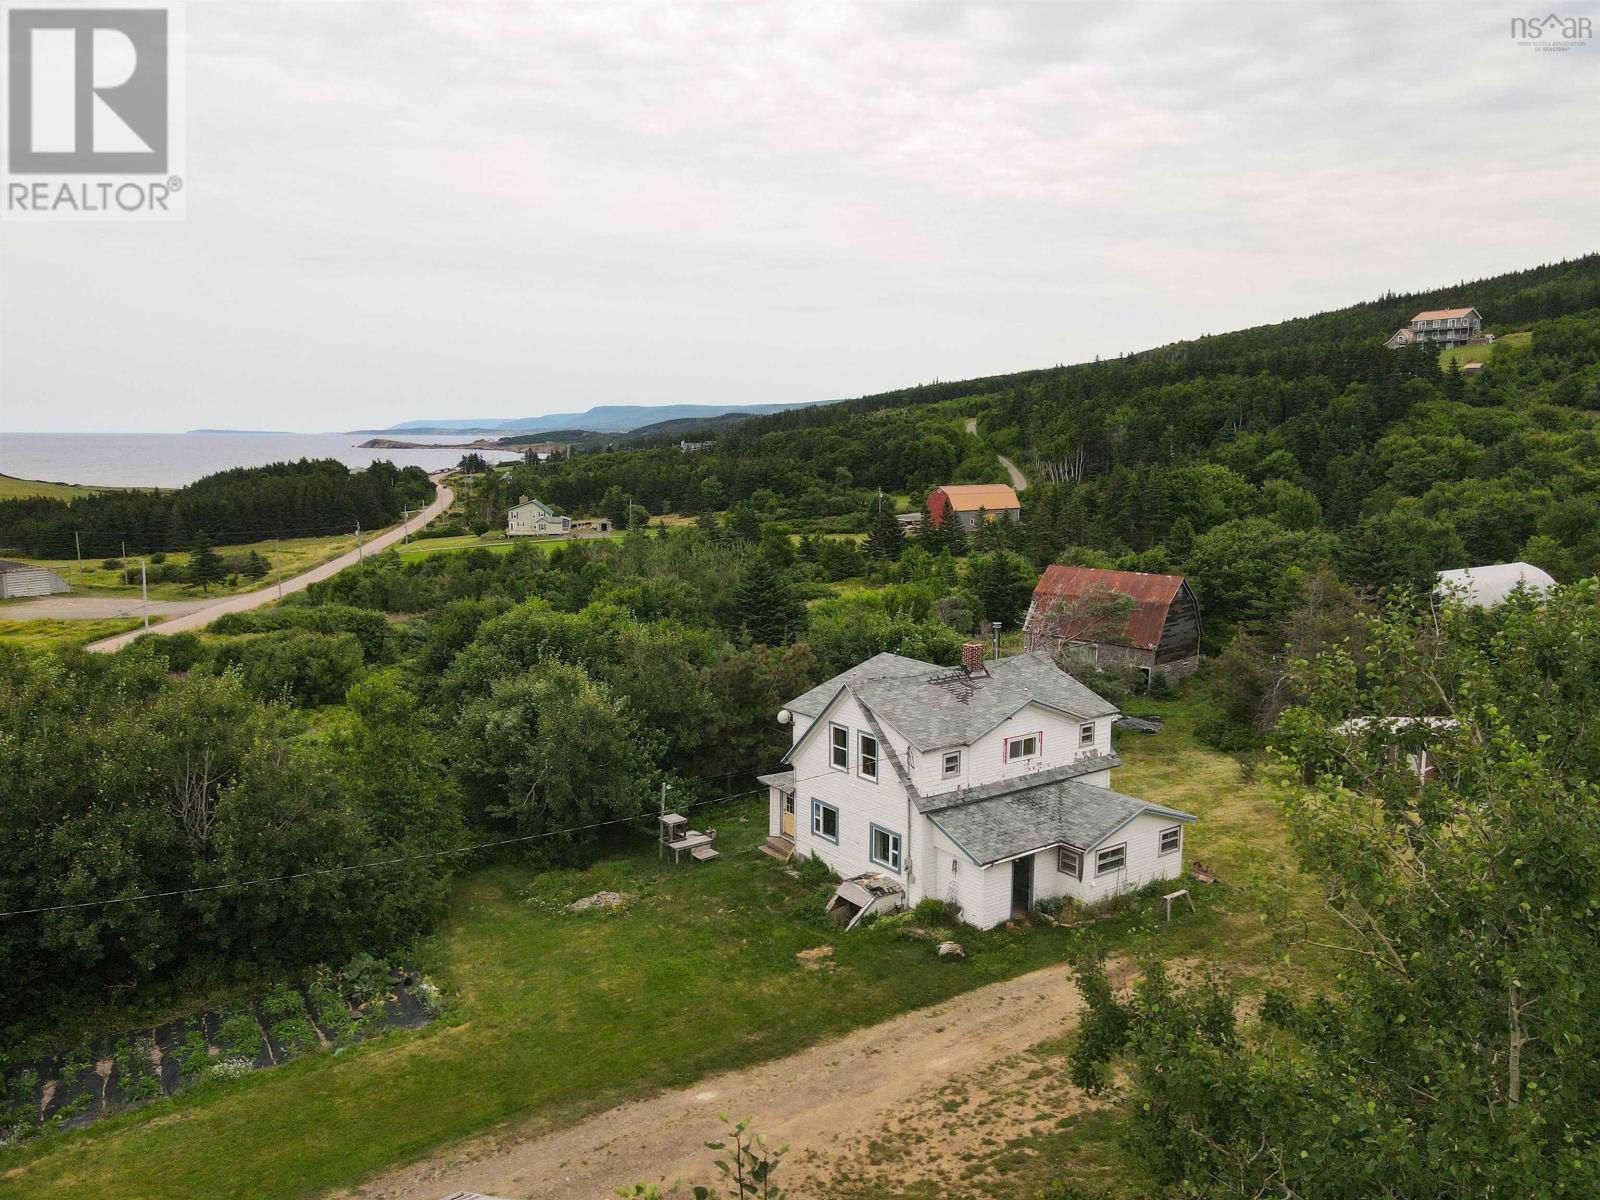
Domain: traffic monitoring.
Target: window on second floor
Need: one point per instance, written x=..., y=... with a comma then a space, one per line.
x=1086, y=734
x=825, y=820
x=1025, y=746
x=838, y=747
x=867, y=756
x=952, y=764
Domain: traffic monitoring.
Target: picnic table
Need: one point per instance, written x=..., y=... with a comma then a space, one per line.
x=679, y=838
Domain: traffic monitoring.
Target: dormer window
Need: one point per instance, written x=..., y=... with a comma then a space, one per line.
x=1025, y=746
x=1086, y=735
x=952, y=765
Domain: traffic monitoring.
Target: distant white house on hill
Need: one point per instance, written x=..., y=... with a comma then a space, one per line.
x=530, y=518
x=987, y=785
x=1484, y=587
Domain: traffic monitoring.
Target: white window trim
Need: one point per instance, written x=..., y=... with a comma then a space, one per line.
x=832, y=748
x=862, y=756
x=1011, y=756
x=895, y=857
x=1086, y=735
x=1099, y=855
x=1177, y=846
x=1077, y=857
x=817, y=807
x=946, y=771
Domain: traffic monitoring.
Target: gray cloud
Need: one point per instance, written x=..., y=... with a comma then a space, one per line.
x=411, y=209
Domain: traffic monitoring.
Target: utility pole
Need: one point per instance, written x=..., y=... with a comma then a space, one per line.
x=144, y=591
x=406, y=525
x=77, y=549
x=277, y=558
x=361, y=551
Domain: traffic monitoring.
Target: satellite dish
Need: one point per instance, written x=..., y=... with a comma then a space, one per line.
x=783, y=716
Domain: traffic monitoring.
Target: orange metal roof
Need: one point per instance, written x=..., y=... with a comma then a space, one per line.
x=969, y=497
x=1439, y=314
x=1155, y=594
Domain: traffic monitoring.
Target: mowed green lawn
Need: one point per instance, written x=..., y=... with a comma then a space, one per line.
x=560, y=1015
x=1466, y=354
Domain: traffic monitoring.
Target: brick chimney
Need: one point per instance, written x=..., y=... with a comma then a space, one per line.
x=522, y=499
x=972, y=658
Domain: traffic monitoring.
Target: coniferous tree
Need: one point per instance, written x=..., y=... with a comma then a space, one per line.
x=885, y=538
x=205, y=564
x=765, y=607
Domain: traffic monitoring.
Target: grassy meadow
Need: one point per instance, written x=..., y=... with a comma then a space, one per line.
x=1466, y=354
x=556, y=1016
x=12, y=488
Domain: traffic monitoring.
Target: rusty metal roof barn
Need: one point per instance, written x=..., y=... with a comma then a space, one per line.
x=1155, y=594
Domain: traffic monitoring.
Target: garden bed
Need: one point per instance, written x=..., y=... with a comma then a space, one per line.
x=74, y=1087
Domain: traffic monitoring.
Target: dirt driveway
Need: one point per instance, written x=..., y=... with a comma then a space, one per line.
x=942, y=1082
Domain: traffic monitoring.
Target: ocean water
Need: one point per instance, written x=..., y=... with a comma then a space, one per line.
x=173, y=459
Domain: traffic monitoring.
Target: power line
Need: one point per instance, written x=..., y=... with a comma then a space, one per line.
x=384, y=862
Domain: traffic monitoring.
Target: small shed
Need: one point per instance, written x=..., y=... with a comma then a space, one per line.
x=1487, y=586
x=1116, y=618
x=26, y=579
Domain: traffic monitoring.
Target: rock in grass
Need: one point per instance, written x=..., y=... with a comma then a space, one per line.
x=598, y=900
x=951, y=950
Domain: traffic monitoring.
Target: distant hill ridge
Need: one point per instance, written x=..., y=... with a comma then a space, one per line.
x=603, y=418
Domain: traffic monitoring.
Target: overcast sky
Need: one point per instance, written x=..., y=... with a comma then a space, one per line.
x=455, y=209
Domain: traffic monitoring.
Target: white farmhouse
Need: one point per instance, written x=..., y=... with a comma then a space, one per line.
x=987, y=785
x=530, y=518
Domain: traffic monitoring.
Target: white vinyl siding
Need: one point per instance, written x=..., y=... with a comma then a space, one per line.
x=860, y=803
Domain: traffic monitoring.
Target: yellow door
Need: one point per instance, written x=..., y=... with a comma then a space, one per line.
x=788, y=817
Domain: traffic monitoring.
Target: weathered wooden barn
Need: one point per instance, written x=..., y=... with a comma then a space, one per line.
x=1116, y=618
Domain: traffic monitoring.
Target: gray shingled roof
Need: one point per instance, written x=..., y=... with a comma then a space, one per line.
x=879, y=666
x=941, y=707
x=1033, y=779
x=1064, y=812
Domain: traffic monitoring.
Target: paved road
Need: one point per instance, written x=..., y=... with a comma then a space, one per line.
x=1019, y=481
x=95, y=608
x=201, y=617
